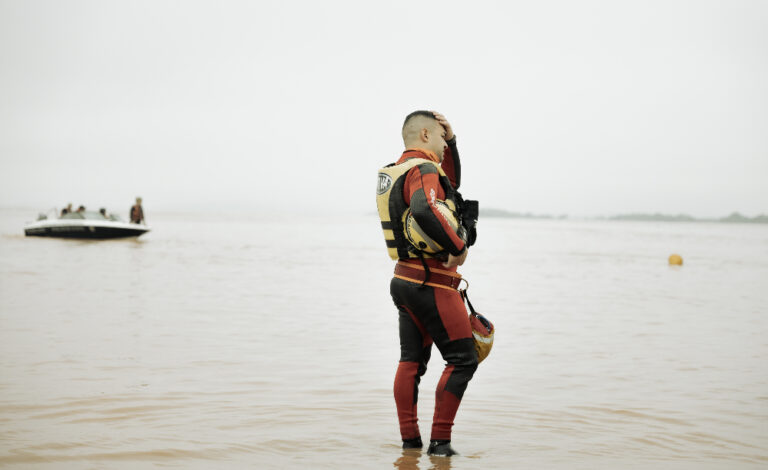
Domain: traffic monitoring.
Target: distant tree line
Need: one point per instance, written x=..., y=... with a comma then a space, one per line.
x=734, y=218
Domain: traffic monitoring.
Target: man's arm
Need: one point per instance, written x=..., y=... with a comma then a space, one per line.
x=451, y=164
x=422, y=183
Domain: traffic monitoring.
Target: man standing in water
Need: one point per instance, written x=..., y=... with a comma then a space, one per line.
x=424, y=286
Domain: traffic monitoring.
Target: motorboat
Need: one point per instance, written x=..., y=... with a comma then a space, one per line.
x=84, y=224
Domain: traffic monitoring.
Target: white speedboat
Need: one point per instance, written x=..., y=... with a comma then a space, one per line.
x=85, y=224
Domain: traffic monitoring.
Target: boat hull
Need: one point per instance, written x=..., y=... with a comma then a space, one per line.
x=99, y=230
x=99, y=233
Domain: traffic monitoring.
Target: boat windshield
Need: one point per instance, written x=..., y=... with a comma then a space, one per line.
x=90, y=215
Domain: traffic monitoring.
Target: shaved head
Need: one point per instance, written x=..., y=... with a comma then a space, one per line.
x=422, y=130
x=414, y=123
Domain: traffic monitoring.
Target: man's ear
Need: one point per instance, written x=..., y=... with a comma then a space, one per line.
x=424, y=135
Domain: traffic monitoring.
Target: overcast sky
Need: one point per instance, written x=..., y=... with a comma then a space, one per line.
x=560, y=107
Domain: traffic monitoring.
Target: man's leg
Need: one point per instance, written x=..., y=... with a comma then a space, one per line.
x=415, y=348
x=448, y=325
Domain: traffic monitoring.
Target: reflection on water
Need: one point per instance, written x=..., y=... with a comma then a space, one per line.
x=409, y=460
x=413, y=459
x=249, y=344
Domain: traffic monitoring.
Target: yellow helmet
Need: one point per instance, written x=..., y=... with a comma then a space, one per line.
x=418, y=238
x=482, y=334
x=482, y=328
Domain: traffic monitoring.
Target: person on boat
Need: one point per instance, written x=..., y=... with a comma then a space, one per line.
x=103, y=212
x=81, y=209
x=66, y=210
x=424, y=288
x=137, y=212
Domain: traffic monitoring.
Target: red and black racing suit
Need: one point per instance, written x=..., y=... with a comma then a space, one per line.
x=432, y=314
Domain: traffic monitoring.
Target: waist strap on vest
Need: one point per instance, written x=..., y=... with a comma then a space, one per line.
x=437, y=277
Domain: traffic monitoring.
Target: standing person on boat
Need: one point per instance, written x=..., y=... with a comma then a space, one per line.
x=137, y=212
x=424, y=288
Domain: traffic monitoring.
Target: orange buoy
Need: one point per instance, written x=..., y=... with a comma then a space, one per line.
x=676, y=260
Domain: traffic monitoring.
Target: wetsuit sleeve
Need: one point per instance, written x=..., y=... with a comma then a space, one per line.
x=451, y=164
x=423, y=183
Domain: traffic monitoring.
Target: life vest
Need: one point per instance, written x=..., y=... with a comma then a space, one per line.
x=393, y=209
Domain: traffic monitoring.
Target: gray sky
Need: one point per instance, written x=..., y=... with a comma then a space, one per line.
x=584, y=108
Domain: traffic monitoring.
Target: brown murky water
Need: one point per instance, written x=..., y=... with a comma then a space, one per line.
x=272, y=343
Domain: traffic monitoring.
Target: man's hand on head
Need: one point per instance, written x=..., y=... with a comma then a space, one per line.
x=446, y=125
